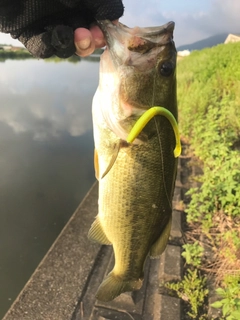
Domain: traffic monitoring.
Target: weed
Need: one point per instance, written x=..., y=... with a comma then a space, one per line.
x=230, y=298
x=193, y=253
x=191, y=289
x=209, y=114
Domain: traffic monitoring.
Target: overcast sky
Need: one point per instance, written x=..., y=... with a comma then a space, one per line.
x=195, y=19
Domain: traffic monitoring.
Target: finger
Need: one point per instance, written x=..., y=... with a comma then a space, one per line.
x=84, y=42
x=62, y=41
x=97, y=36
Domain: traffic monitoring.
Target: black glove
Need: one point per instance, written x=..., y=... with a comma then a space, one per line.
x=46, y=27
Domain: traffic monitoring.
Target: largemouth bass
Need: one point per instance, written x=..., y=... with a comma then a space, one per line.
x=136, y=180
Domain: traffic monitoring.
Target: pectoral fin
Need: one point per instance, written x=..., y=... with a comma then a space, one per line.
x=97, y=234
x=159, y=246
x=96, y=164
x=116, y=149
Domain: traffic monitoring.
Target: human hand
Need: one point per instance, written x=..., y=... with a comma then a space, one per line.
x=86, y=41
x=54, y=27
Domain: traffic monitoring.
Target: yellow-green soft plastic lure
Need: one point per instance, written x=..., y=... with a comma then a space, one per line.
x=147, y=116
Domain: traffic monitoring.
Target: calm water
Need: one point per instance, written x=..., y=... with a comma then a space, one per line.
x=46, y=160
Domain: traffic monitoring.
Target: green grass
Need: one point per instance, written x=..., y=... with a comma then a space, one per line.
x=209, y=120
x=209, y=78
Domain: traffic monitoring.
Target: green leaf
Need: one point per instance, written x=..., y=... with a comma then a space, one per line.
x=220, y=291
x=217, y=304
x=236, y=314
x=225, y=309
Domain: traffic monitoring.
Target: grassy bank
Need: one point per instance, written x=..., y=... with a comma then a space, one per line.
x=209, y=117
x=23, y=54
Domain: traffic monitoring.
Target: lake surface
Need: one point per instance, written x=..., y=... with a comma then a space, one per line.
x=46, y=160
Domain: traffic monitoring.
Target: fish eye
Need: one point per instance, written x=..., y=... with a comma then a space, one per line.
x=166, y=68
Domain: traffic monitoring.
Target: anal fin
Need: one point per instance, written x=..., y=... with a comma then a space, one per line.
x=97, y=234
x=159, y=246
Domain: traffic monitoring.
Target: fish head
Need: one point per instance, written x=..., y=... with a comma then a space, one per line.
x=137, y=72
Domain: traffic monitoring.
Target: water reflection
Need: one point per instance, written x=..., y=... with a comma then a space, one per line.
x=46, y=99
x=46, y=149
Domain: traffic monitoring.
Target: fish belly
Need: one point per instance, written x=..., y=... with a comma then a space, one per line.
x=134, y=206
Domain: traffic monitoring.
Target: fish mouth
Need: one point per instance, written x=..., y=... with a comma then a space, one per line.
x=162, y=34
x=121, y=39
x=109, y=29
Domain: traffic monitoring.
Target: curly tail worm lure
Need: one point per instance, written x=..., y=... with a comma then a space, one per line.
x=147, y=116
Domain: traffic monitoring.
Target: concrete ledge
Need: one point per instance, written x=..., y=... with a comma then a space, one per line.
x=176, y=231
x=170, y=308
x=63, y=286
x=170, y=265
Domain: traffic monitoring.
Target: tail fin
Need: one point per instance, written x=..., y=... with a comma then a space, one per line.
x=113, y=286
